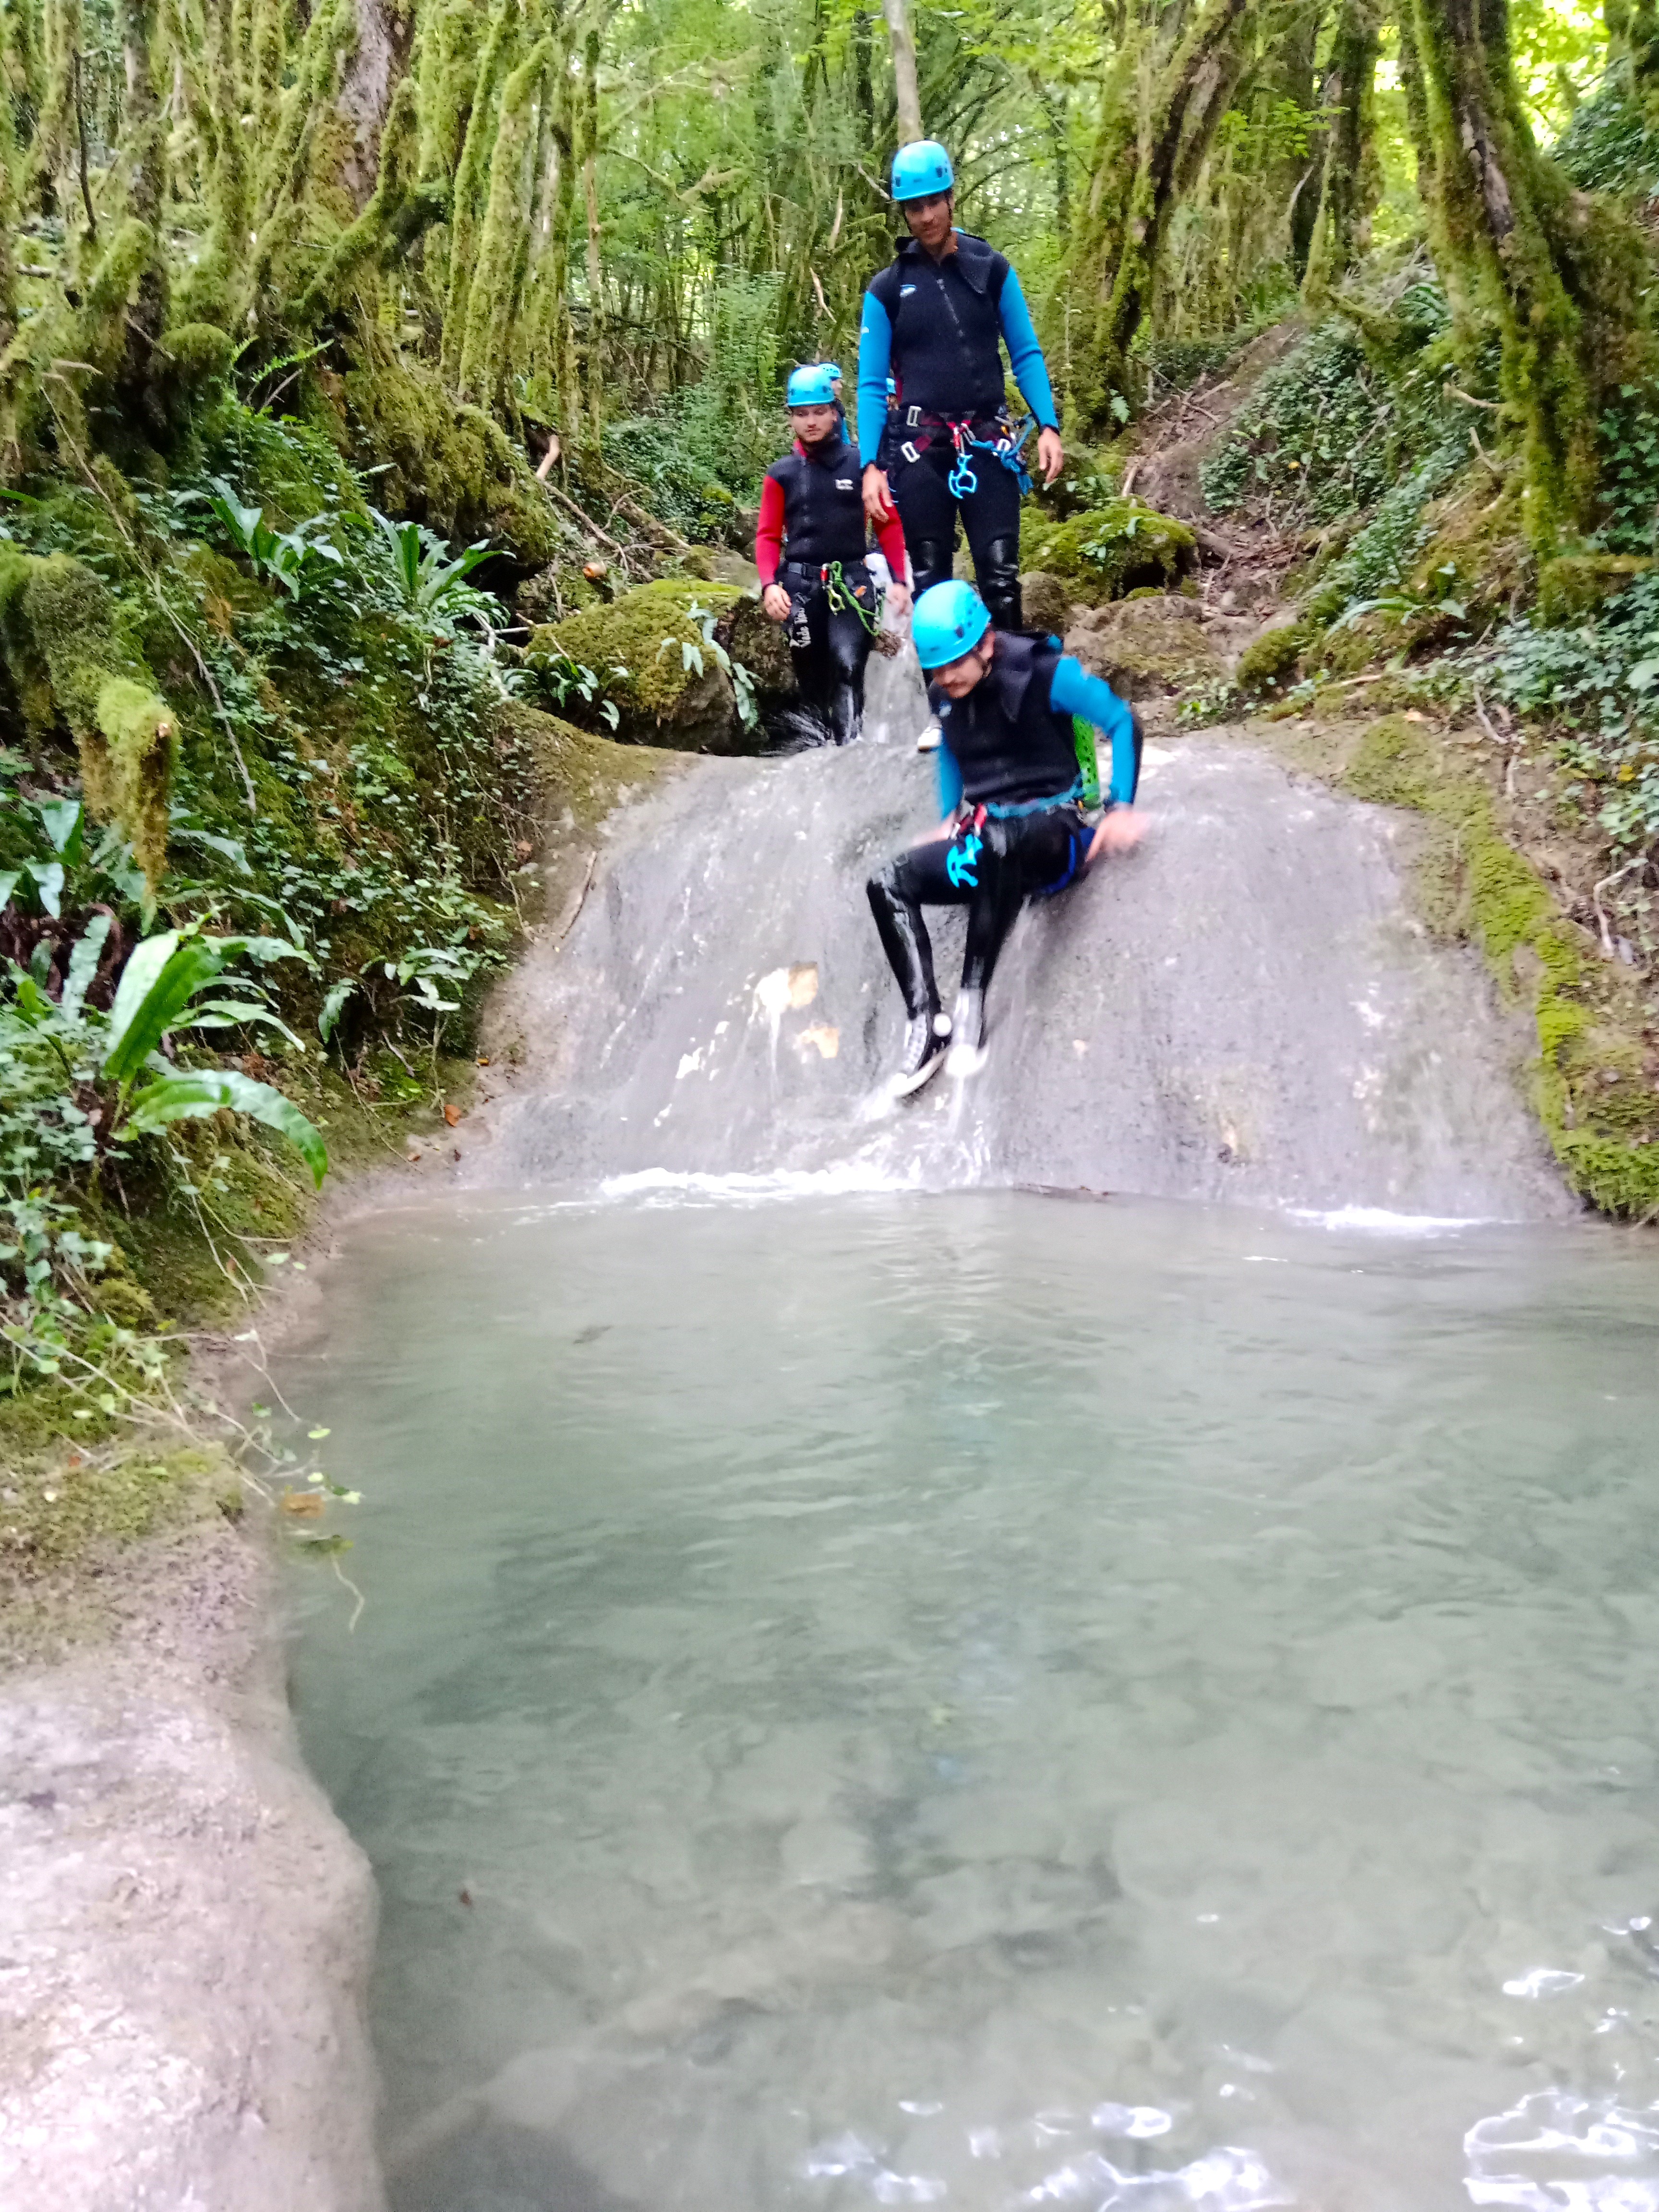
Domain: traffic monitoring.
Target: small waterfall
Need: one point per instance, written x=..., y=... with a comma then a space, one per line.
x=1244, y=1011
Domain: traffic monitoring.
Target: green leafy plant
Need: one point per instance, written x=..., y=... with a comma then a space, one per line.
x=70, y=872
x=294, y=560
x=117, y=1057
x=431, y=582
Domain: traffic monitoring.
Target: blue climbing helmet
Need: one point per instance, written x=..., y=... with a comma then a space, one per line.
x=832, y=370
x=949, y=620
x=921, y=169
x=810, y=386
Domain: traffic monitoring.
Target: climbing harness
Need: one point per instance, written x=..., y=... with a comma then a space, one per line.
x=842, y=595
x=962, y=861
x=1004, y=446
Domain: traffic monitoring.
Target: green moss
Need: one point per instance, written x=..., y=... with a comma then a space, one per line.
x=55, y=1508
x=1268, y=660
x=639, y=646
x=1148, y=648
x=1588, y=1082
x=141, y=734
x=1046, y=601
x=1107, y=551
x=1574, y=585
x=198, y=354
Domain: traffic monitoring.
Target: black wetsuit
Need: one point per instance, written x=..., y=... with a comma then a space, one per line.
x=940, y=325
x=816, y=510
x=1020, y=832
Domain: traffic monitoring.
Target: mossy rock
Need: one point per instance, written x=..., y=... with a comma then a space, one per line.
x=1148, y=648
x=1045, y=601
x=1588, y=1083
x=655, y=664
x=1576, y=584
x=1269, y=662
x=752, y=637
x=1107, y=551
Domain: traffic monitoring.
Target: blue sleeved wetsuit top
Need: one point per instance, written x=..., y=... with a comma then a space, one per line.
x=937, y=326
x=1011, y=740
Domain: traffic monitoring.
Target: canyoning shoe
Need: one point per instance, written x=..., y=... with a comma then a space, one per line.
x=967, y=1034
x=931, y=736
x=926, y=1040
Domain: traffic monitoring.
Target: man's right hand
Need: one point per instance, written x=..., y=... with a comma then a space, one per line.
x=776, y=601
x=1121, y=832
x=877, y=498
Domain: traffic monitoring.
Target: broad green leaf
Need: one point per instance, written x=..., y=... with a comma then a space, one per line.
x=83, y=965
x=222, y=1013
x=192, y=1097
x=333, y=1005
x=48, y=883
x=62, y=820
x=142, y=1015
x=9, y=880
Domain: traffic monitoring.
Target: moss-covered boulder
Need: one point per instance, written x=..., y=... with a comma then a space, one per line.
x=669, y=683
x=1148, y=648
x=1109, y=551
x=1269, y=662
x=1045, y=601
x=762, y=646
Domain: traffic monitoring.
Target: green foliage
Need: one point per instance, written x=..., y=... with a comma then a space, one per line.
x=1315, y=438
x=1611, y=145
x=433, y=585
x=294, y=560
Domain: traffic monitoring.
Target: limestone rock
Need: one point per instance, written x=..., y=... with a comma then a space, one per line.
x=1148, y=647
x=1046, y=601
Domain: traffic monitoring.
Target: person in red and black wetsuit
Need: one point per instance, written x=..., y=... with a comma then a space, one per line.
x=810, y=550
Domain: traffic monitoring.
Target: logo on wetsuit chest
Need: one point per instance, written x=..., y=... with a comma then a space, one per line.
x=844, y=483
x=962, y=862
x=905, y=291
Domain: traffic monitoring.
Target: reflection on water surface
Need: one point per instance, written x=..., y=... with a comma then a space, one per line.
x=990, y=1701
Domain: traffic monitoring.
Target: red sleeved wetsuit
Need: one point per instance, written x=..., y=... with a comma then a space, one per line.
x=806, y=515
x=810, y=540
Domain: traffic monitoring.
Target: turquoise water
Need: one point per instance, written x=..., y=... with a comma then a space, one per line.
x=989, y=1700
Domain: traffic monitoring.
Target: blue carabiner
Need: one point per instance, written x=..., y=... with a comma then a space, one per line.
x=962, y=479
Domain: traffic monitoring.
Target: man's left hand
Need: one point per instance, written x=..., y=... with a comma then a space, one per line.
x=1051, y=454
x=898, y=598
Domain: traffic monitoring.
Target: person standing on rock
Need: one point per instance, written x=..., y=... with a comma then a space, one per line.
x=1016, y=770
x=934, y=321
x=810, y=550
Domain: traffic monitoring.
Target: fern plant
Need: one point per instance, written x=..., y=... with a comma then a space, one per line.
x=432, y=585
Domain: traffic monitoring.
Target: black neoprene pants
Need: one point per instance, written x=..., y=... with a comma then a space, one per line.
x=990, y=515
x=992, y=871
x=829, y=665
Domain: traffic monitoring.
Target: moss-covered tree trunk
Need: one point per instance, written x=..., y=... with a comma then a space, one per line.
x=1349, y=187
x=1158, y=118
x=379, y=58
x=1520, y=253
x=135, y=266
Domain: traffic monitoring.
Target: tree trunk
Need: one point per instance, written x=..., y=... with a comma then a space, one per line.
x=145, y=144
x=595, y=266
x=1349, y=192
x=1521, y=253
x=377, y=64
x=1147, y=153
x=904, y=71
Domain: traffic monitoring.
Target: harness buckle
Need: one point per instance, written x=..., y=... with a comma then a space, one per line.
x=913, y=419
x=911, y=453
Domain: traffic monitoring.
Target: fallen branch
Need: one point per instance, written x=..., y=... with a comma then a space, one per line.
x=1456, y=391
x=583, y=517
x=580, y=900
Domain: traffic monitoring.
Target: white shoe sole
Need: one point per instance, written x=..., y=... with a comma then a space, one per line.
x=906, y=1086
x=931, y=739
x=965, y=1060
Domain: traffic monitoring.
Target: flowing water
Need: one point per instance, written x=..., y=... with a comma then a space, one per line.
x=991, y=1699
x=878, y=1686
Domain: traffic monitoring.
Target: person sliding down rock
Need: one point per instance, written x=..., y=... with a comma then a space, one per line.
x=933, y=321
x=1016, y=771
x=810, y=550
